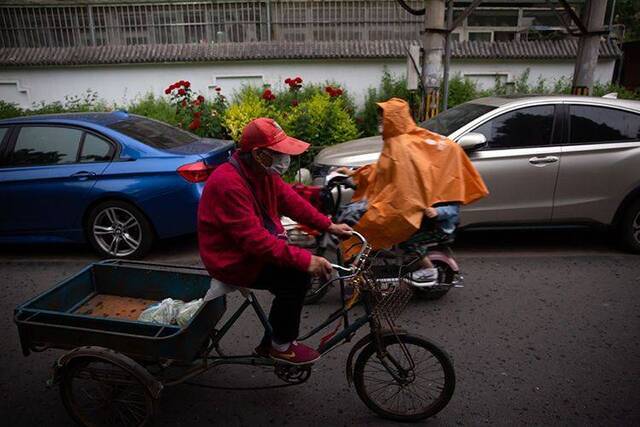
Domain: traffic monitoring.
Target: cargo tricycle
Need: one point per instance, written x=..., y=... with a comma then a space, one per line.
x=116, y=367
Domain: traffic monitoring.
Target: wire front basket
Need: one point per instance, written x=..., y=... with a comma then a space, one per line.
x=390, y=293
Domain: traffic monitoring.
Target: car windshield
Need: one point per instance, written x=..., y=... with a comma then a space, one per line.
x=154, y=133
x=453, y=119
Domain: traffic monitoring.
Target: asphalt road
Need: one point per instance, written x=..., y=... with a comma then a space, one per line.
x=546, y=331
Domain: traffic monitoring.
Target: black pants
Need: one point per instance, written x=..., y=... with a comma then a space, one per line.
x=289, y=287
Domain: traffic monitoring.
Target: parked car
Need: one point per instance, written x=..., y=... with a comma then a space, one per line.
x=545, y=159
x=116, y=180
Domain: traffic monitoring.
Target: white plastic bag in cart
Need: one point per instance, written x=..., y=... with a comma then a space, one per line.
x=164, y=312
x=187, y=311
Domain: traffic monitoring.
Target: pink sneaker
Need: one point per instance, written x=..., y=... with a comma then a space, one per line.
x=296, y=354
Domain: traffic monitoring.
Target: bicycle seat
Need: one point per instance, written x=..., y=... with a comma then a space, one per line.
x=218, y=288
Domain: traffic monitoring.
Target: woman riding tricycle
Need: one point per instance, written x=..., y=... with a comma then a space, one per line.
x=118, y=366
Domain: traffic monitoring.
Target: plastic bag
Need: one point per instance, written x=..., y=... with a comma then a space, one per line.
x=164, y=312
x=187, y=311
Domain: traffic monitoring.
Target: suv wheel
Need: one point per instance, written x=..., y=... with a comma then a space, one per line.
x=630, y=227
x=117, y=229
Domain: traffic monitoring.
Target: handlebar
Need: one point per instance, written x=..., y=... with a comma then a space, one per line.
x=356, y=262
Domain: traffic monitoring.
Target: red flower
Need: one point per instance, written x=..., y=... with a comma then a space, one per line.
x=328, y=89
x=288, y=81
x=200, y=98
x=218, y=88
x=298, y=80
x=184, y=103
x=187, y=84
x=294, y=102
x=182, y=92
x=197, y=114
x=180, y=83
x=339, y=92
x=267, y=95
x=195, y=124
x=167, y=91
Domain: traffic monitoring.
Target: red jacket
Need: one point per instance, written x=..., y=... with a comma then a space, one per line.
x=234, y=243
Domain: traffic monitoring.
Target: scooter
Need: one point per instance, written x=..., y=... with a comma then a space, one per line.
x=394, y=263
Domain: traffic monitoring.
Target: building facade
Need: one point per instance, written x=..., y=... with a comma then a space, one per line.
x=125, y=49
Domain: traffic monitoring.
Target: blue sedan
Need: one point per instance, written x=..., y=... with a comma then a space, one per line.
x=116, y=180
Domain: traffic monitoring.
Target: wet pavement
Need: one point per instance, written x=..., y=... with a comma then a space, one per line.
x=545, y=331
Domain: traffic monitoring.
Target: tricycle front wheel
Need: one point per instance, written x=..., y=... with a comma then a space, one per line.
x=97, y=391
x=409, y=379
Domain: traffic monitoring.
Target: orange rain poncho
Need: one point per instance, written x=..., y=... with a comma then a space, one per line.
x=416, y=169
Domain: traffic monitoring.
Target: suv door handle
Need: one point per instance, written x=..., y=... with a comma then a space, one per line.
x=83, y=175
x=543, y=160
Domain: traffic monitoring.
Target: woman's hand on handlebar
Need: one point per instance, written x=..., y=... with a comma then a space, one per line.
x=345, y=171
x=319, y=266
x=340, y=230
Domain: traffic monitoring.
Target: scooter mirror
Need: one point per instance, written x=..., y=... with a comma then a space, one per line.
x=303, y=176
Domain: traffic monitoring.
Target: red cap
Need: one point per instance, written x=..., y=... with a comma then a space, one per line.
x=266, y=133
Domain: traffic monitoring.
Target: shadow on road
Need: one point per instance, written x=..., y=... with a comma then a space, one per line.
x=568, y=241
x=543, y=240
x=184, y=248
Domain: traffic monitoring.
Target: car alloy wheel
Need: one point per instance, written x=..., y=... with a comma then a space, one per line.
x=635, y=228
x=117, y=231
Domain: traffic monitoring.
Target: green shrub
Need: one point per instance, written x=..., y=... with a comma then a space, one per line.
x=461, y=90
x=87, y=102
x=154, y=108
x=202, y=116
x=9, y=110
x=320, y=120
x=246, y=106
x=390, y=87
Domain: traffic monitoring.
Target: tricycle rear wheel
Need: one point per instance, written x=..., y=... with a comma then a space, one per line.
x=101, y=392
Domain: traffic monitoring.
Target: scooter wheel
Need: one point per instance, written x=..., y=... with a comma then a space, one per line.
x=445, y=281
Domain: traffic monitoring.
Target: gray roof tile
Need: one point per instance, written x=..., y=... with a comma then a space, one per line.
x=51, y=56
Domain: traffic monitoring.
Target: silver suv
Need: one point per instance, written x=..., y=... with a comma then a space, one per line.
x=545, y=160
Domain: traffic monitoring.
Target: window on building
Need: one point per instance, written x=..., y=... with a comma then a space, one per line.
x=45, y=145
x=95, y=149
x=504, y=36
x=546, y=18
x=600, y=124
x=484, y=36
x=526, y=127
x=493, y=18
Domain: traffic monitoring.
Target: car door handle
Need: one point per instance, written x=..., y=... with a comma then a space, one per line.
x=83, y=175
x=543, y=160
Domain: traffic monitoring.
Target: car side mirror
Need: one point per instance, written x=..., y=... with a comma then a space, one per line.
x=472, y=141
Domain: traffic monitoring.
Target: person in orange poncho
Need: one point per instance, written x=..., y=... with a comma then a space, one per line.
x=417, y=169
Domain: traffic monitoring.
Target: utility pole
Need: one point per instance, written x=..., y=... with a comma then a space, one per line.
x=588, y=46
x=433, y=45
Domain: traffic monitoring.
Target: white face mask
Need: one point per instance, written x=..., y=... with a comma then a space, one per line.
x=279, y=162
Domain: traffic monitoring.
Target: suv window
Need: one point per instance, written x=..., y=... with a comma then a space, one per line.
x=526, y=127
x=153, y=132
x=95, y=149
x=3, y=132
x=45, y=145
x=600, y=124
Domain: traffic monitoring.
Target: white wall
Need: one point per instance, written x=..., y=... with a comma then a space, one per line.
x=484, y=72
x=121, y=84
